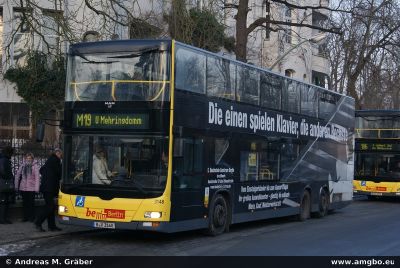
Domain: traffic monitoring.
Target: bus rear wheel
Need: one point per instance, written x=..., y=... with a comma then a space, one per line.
x=219, y=215
x=305, y=206
x=323, y=206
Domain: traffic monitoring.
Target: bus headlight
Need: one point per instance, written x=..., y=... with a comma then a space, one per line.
x=152, y=214
x=62, y=209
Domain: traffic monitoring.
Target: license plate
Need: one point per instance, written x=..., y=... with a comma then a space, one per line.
x=376, y=193
x=107, y=225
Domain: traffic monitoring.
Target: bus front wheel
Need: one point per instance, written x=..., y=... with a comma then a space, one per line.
x=305, y=206
x=219, y=215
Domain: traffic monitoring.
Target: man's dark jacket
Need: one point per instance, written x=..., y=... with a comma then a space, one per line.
x=51, y=175
x=5, y=168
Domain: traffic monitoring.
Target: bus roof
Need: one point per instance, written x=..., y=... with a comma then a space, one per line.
x=119, y=46
x=139, y=44
x=361, y=113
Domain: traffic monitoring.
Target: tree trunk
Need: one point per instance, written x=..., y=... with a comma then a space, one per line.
x=351, y=91
x=241, y=31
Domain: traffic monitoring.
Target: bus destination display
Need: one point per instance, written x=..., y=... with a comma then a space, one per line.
x=108, y=121
x=377, y=147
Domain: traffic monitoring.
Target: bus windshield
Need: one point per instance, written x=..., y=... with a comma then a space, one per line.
x=381, y=165
x=118, y=76
x=130, y=162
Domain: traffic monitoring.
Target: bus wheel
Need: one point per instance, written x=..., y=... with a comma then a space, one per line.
x=323, y=204
x=305, y=206
x=218, y=219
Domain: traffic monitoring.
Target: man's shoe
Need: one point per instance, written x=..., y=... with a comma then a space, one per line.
x=54, y=229
x=39, y=228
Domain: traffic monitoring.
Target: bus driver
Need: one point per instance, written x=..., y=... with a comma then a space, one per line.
x=101, y=173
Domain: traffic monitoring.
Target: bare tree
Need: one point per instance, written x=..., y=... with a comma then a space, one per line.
x=359, y=56
x=105, y=19
x=271, y=21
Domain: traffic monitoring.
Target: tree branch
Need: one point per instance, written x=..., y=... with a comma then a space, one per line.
x=261, y=21
x=319, y=7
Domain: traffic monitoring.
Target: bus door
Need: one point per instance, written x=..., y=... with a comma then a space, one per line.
x=187, y=178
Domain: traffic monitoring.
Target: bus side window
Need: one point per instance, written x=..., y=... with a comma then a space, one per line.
x=188, y=163
x=269, y=161
x=289, y=152
x=249, y=162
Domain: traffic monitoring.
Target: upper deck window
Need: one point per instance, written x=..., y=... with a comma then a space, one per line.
x=247, y=85
x=220, y=78
x=190, y=70
x=378, y=126
x=309, y=100
x=291, y=96
x=328, y=103
x=118, y=76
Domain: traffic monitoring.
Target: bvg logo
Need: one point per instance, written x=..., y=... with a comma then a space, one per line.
x=106, y=214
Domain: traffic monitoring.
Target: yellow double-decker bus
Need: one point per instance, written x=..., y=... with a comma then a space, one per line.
x=163, y=136
x=377, y=147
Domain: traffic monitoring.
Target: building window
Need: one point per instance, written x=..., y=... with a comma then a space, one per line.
x=320, y=79
x=289, y=72
x=23, y=38
x=319, y=20
x=50, y=31
x=91, y=36
x=288, y=32
x=288, y=12
x=14, y=121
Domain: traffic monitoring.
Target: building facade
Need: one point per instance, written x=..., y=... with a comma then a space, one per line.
x=298, y=52
x=51, y=21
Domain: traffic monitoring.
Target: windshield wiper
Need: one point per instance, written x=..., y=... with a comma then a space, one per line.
x=76, y=53
x=130, y=183
x=135, y=54
x=99, y=62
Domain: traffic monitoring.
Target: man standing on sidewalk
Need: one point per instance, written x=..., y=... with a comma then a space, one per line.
x=6, y=174
x=50, y=185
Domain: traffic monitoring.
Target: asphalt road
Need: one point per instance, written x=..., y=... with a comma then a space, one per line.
x=365, y=228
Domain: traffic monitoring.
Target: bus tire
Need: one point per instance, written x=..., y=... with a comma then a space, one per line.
x=305, y=206
x=323, y=204
x=219, y=216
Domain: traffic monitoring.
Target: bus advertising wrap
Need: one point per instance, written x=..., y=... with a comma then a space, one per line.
x=263, y=122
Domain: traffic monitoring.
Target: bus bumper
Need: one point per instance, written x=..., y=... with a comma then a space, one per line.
x=392, y=194
x=162, y=227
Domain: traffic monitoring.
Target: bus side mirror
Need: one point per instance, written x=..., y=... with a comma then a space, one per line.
x=40, y=132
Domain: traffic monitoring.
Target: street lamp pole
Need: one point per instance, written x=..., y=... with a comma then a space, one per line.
x=314, y=39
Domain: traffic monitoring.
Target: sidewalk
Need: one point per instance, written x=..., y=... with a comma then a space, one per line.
x=20, y=231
